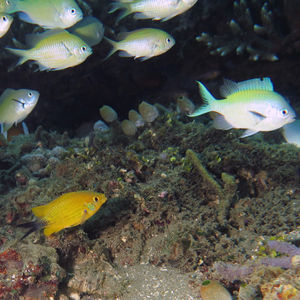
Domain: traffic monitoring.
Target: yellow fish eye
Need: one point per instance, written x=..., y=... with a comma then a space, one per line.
x=96, y=199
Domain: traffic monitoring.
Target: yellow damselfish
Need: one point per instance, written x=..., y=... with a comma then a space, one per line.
x=68, y=210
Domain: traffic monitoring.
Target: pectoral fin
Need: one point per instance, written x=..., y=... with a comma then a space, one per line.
x=258, y=116
x=221, y=123
x=84, y=217
x=248, y=132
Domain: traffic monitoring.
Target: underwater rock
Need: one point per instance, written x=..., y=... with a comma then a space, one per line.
x=30, y=271
x=213, y=290
x=58, y=152
x=108, y=114
x=100, y=126
x=128, y=127
x=34, y=161
x=148, y=111
x=135, y=117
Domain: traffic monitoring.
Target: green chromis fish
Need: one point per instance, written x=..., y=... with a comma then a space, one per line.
x=15, y=106
x=7, y=6
x=49, y=13
x=152, y=9
x=89, y=29
x=5, y=22
x=142, y=43
x=252, y=105
x=53, y=50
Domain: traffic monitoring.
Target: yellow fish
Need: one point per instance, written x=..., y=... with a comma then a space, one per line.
x=15, y=106
x=89, y=29
x=152, y=9
x=68, y=210
x=55, y=49
x=49, y=13
x=252, y=105
x=142, y=43
x=5, y=22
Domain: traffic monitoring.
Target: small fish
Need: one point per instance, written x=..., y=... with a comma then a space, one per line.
x=252, y=105
x=89, y=29
x=142, y=43
x=55, y=49
x=5, y=22
x=152, y=9
x=68, y=210
x=15, y=106
x=49, y=14
x=7, y=6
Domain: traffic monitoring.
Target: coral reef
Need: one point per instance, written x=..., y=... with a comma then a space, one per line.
x=258, y=40
x=168, y=207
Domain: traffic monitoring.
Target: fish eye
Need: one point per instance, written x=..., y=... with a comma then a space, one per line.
x=83, y=48
x=96, y=199
x=7, y=2
x=284, y=112
x=4, y=18
x=73, y=11
x=168, y=40
x=30, y=94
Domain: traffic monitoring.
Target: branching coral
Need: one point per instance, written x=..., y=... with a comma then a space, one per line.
x=245, y=36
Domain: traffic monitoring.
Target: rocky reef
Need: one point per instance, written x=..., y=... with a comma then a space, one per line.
x=182, y=197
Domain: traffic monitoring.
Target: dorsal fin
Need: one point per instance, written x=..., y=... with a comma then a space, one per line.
x=33, y=38
x=230, y=87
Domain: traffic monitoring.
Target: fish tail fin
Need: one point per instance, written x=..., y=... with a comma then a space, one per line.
x=113, y=50
x=33, y=226
x=209, y=101
x=39, y=211
x=125, y=6
x=19, y=52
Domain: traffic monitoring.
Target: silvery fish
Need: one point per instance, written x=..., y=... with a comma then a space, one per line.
x=152, y=9
x=5, y=22
x=89, y=29
x=54, y=50
x=49, y=13
x=252, y=105
x=15, y=106
x=7, y=6
x=142, y=43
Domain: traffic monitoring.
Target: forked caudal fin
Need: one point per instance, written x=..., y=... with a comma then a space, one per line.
x=124, y=6
x=208, y=101
x=113, y=50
